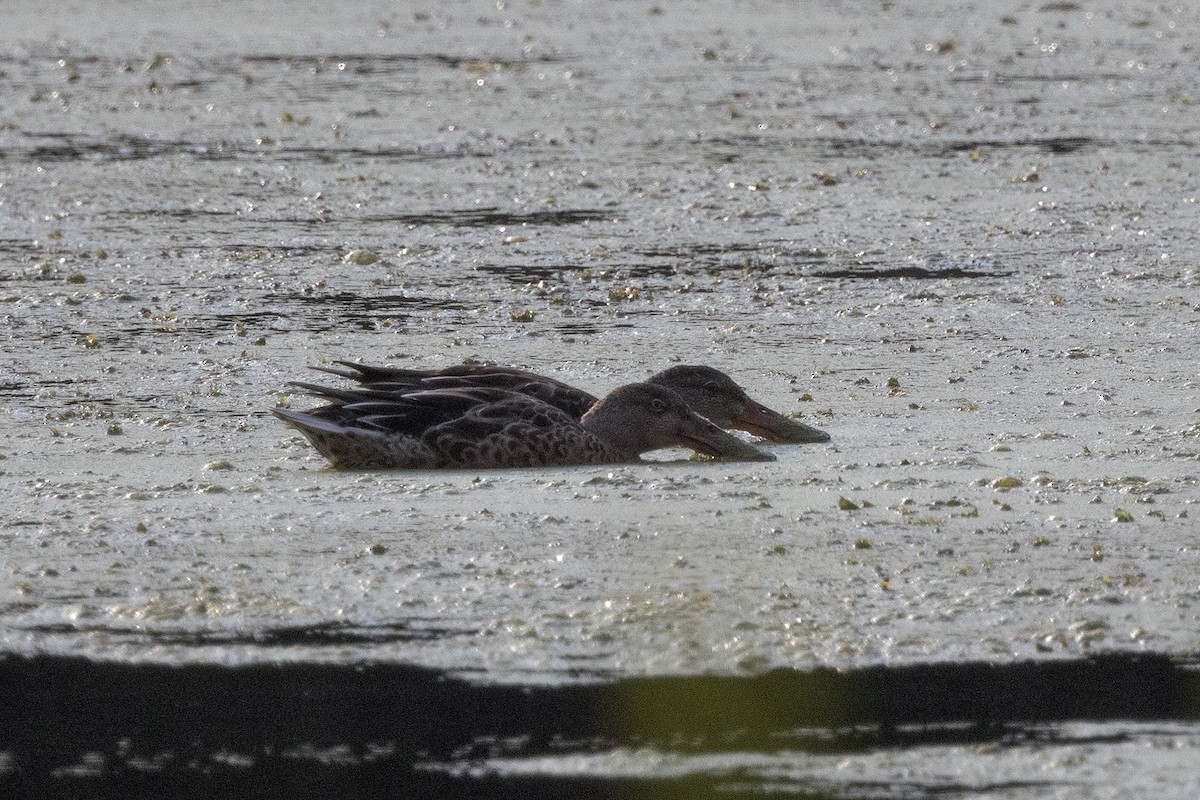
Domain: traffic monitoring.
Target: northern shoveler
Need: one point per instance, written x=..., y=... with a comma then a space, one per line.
x=485, y=427
x=709, y=392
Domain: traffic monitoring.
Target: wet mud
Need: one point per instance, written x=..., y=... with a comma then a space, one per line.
x=961, y=239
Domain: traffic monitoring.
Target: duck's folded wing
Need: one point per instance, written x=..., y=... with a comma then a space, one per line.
x=467, y=376
x=416, y=413
x=368, y=373
x=518, y=431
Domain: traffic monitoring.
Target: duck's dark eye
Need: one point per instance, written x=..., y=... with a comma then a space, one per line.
x=658, y=406
x=712, y=386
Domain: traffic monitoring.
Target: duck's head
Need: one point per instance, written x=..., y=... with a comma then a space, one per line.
x=715, y=395
x=641, y=417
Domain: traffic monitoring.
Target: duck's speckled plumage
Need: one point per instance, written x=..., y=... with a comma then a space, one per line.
x=485, y=427
x=709, y=392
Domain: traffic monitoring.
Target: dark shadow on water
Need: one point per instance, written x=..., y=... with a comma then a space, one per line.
x=333, y=633
x=455, y=218
x=907, y=273
x=744, y=147
x=101, y=148
x=388, y=62
x=74, y=727
x=355, y=304
x=493, y=217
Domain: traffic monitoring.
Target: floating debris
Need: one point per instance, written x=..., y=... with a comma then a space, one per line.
x=361, y=256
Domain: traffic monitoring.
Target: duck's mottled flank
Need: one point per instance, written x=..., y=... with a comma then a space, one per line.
x=487, y=427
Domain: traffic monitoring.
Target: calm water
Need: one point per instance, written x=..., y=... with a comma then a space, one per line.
x=963, y=240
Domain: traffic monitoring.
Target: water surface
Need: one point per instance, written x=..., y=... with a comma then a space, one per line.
x=960, y=239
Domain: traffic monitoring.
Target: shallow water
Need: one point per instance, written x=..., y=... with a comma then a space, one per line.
x=961, y=240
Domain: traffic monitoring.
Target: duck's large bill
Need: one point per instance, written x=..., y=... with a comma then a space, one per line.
x=705, y=437
x=761, y=421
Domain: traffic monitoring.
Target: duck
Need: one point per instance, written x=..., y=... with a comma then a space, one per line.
x=489, y=427
x=708, y=391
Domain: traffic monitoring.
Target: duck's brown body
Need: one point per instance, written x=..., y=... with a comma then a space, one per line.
x=708, y=391
x=489, y=427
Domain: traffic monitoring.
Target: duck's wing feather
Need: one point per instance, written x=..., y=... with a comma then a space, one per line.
x=369, y=373
x=472, y=428
x=518, y=431
x=415, y=413
x=574, y=401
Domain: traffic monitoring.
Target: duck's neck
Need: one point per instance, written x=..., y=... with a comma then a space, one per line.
x=610, y=429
